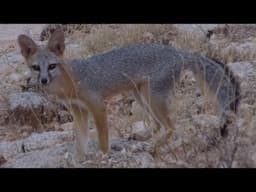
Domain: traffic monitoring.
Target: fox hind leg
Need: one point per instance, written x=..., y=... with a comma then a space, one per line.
x=157, y=94
x=160, y=110
x=142, y=96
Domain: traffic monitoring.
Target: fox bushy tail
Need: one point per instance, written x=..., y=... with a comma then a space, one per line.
x=221, y=83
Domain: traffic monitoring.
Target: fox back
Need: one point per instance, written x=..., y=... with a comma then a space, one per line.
x=124, y=68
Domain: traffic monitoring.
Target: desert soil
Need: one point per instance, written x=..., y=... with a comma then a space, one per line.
x=36, y=131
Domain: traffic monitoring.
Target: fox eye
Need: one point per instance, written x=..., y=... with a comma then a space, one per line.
x=52, y=66
x=36, y=67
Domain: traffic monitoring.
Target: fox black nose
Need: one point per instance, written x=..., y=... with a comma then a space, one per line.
x=44, y=81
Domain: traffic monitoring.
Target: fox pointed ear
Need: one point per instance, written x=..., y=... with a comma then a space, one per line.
x=27, y=45
x=56, y=43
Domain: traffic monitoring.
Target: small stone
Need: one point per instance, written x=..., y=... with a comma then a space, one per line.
x=15, y=77
x=133, y=148
x=103, y=162
x=123, y=151
x=140, y=132
x=67, y=155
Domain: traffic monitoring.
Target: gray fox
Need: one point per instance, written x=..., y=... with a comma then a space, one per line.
x=149, y=70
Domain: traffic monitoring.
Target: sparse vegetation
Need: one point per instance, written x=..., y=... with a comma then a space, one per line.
x=196, y=143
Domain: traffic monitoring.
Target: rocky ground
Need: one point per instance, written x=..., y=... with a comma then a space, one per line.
x=36, y=131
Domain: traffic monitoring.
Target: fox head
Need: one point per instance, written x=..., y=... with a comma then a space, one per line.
x=44, y=62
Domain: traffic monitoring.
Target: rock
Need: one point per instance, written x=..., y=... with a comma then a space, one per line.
x=11, y=31
x=246, y=110
x=34, y=142
x=246, y=72
x=15, y=77
x=140, y=132
x=9, y=61
x=47, y=158
x=145, y=160
x=26, y=100
x=243, y=69
x=61, y=154
x=30, y=108
x=206, y=120
x=33, y=109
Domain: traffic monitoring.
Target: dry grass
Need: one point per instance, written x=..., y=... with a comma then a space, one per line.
x=232, y=41
x=106, y=38
x=194, y=116
x=228, y=44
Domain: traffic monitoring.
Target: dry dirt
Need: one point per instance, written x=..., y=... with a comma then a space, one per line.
x=36, y=131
